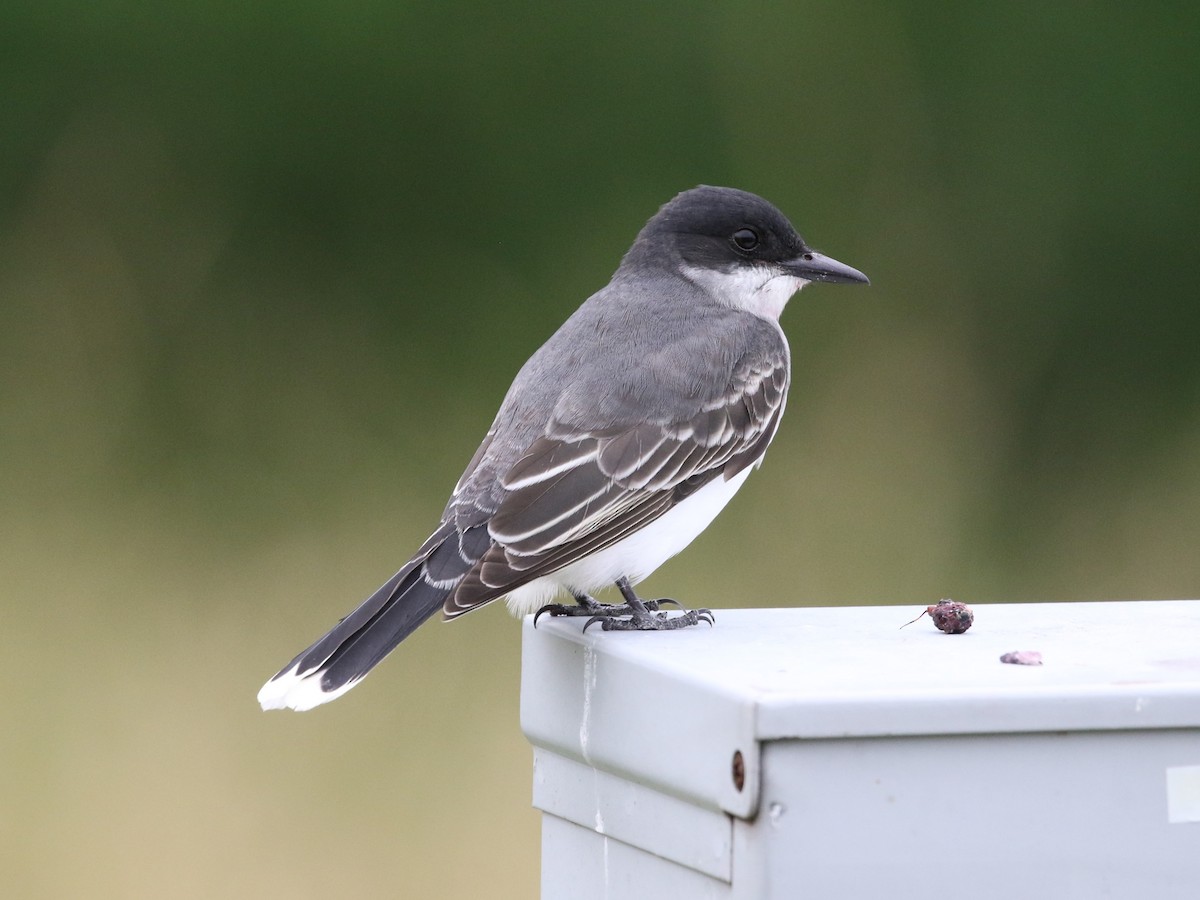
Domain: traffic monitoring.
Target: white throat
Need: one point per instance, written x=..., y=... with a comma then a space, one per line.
x=762, y=291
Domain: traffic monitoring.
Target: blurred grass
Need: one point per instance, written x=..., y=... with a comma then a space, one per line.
x=265, y=272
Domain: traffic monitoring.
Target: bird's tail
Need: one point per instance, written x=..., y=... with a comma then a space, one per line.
x=344, y=656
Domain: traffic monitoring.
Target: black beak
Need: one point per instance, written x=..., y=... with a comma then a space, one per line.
x=813, y=266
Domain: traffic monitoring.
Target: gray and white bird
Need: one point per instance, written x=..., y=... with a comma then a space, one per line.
x=618, y=442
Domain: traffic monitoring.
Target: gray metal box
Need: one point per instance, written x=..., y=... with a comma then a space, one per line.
x=870, y=761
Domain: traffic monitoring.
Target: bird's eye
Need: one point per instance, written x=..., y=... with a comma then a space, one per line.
x=745, y=239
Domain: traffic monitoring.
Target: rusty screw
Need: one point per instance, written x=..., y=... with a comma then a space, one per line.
x=739, y=770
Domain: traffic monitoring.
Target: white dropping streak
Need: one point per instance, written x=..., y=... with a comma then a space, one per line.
x=599, y=819
x=589, y=684
x=606, y=876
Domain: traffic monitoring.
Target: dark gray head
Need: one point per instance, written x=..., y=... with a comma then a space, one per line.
x=724, y=230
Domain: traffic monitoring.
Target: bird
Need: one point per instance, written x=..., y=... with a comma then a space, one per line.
x=618, y=442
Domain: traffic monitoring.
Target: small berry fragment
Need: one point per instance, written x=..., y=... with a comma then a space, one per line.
x=1022, y=658
x=949, y=616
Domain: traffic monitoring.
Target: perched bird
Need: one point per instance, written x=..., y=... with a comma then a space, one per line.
x=618, y=442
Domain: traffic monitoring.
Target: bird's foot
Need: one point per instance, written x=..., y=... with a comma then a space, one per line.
x=648, y=619
x=634, y=614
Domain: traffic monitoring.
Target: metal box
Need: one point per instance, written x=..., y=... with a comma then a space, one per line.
x=824, y=753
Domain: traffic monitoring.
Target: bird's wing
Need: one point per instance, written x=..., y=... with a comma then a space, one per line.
x=575, y=492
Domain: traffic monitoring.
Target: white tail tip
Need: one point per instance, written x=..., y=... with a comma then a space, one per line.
x=290, y=690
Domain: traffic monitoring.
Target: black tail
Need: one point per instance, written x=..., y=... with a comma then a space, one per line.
x=343, y=657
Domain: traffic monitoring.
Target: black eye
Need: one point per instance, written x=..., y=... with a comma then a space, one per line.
x=745, y=238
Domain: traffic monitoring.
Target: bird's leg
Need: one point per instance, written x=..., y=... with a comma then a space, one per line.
x=643, y=615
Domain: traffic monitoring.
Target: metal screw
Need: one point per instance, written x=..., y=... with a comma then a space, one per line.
x=739, y=770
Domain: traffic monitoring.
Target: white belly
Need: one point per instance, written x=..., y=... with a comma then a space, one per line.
x=636, y=556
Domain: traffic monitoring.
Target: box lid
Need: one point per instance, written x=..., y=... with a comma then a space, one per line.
x=672, y=710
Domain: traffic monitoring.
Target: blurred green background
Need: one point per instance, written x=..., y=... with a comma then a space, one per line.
x=266, y=270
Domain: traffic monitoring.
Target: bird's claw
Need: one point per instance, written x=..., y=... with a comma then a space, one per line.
x=653, y=605
x=554, y=609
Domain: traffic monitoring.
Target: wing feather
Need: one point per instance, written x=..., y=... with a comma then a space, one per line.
x=573, y=492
